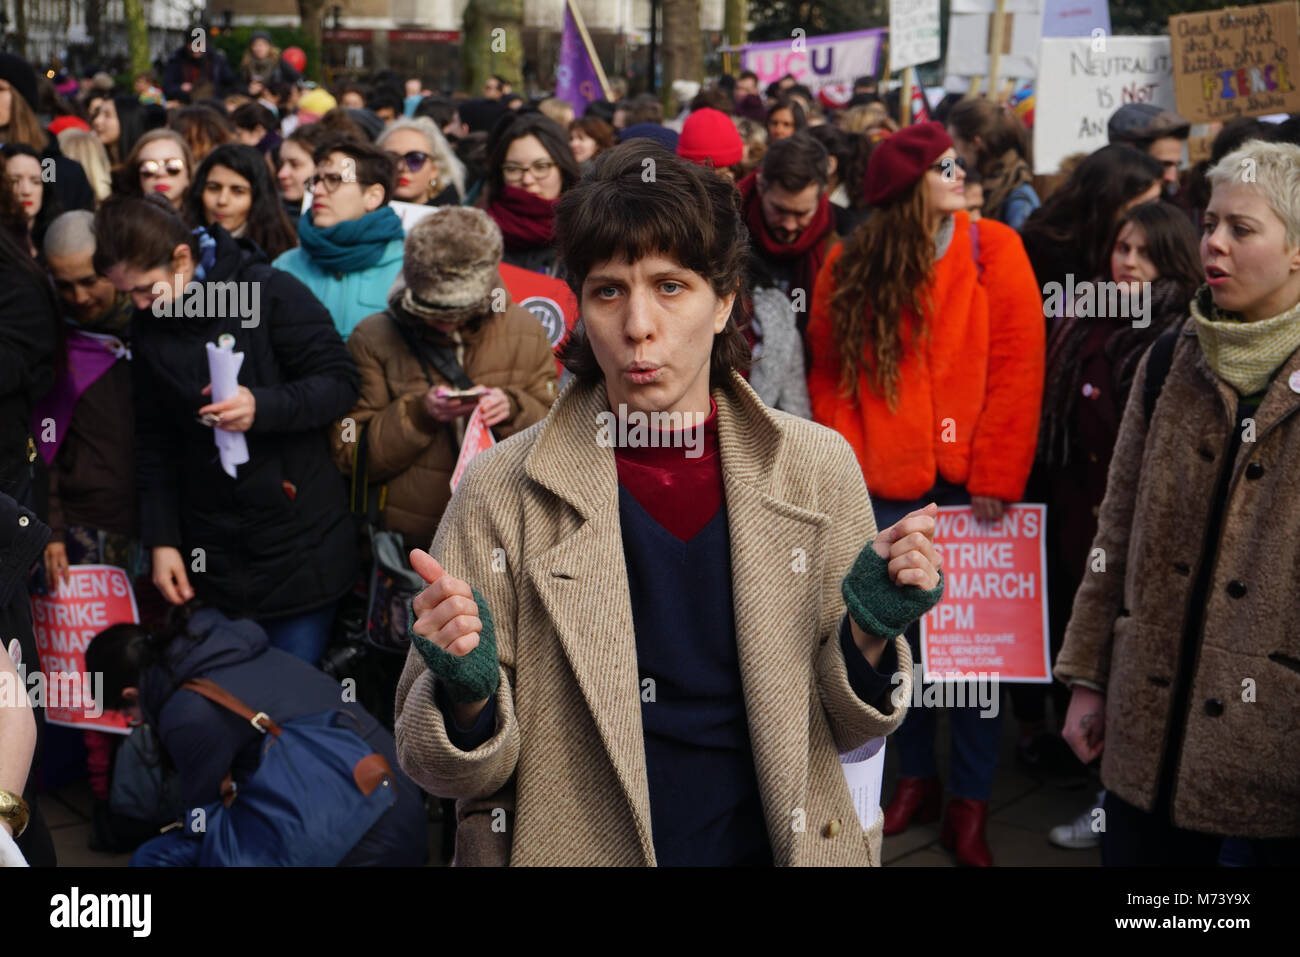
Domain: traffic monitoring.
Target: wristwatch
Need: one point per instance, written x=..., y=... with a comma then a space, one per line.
x=14, y=810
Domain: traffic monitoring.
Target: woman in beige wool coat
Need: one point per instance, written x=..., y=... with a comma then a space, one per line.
x=1183, y=648
x=633, y=649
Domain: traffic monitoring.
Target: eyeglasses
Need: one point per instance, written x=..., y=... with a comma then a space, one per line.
x=413, y=161
x=332, y=182
x=513, y=173
x=171, y=167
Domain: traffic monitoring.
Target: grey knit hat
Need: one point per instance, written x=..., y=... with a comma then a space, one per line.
x=450, y=266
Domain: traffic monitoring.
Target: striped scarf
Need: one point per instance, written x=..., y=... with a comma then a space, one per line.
x=1244, y=354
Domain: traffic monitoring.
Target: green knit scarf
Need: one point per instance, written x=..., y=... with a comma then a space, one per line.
x=1244, y=354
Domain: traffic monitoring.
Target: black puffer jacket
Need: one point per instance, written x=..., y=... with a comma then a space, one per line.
x=277, y=540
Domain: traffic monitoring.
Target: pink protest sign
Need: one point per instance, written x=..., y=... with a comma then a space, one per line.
x=993, y=617
x=92, y=598
x=478, y=438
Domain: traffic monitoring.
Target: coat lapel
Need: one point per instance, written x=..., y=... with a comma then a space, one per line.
x=776, y=552
x=582, y=582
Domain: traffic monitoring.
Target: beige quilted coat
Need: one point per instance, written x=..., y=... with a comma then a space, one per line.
x=535, y=527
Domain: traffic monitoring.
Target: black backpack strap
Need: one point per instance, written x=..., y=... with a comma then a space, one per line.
x=1159, y=360
x=444, y=360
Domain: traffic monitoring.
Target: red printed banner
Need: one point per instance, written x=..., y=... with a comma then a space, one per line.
x=549, y=299
x=93, y=597
x=993, y=617
x=478, y=438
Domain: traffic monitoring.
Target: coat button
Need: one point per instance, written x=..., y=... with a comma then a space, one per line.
x=1237, y=589
x=1205, y=454
x=1254, y=470
x=832, y=828
x=23, y=521
x=1092, y=457
x=1214, y=707
x=1095, y=511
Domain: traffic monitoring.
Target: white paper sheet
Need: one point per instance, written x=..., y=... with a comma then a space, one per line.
x=864, y=770
x=223, y=368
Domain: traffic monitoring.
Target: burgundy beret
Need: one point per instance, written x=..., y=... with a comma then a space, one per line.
x=902, y=159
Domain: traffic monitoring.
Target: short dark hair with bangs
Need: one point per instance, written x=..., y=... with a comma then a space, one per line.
x=683, y=211
x=373, y=164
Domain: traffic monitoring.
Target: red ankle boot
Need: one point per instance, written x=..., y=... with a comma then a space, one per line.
x=963, y=832
x=916, y=801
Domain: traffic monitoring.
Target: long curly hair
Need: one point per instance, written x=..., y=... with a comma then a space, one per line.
x=883, y=275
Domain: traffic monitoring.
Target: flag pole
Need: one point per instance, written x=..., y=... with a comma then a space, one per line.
x=591, y=50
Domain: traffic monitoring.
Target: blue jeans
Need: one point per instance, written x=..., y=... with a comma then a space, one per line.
x=303, y=635
x=976, y=739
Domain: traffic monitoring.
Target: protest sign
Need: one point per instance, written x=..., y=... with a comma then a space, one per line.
x=913, y=33
x=993, y=617
x=816, y=61
x=1081, y=82
x=478, y=438
x=1244, y=61
x=92, y=598
x=1075, y=18
x=970, y=29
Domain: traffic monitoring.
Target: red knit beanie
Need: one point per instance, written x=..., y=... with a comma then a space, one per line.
x=708, y=135
x=902, y=159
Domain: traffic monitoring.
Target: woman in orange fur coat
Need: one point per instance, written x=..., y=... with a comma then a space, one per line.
x=926, y=339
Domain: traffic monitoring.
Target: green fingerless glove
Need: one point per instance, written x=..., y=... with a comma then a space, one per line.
x=468, y=678
x=876, y=604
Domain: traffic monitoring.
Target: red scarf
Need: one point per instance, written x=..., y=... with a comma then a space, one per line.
x=810, y=245
x=526, y=220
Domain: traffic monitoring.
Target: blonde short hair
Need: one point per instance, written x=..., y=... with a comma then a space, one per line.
x=1274, y=170
x=452, y=168
x=85, y=147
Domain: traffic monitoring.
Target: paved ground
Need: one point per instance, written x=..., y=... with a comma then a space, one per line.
x=1023, y=809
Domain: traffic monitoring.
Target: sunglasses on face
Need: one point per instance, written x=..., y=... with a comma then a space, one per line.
x=171, y=167
x=413, y=161
x=513, y=173
x=948, y=165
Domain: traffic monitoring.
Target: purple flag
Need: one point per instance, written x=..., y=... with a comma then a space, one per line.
x=575, y=77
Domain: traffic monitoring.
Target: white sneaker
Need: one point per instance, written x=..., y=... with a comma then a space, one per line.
x=1078, y=835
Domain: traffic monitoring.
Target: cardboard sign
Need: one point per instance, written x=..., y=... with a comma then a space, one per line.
x=816, y=61
x=993, y=617
x=478, y=438
x=913, y=33
x=1082, y=82
x=1244, y=61
x=93, y=597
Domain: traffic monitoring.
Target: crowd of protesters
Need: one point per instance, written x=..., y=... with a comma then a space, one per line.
x=855, y=301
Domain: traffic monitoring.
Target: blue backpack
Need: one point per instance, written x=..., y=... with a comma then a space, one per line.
x=317, y=791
